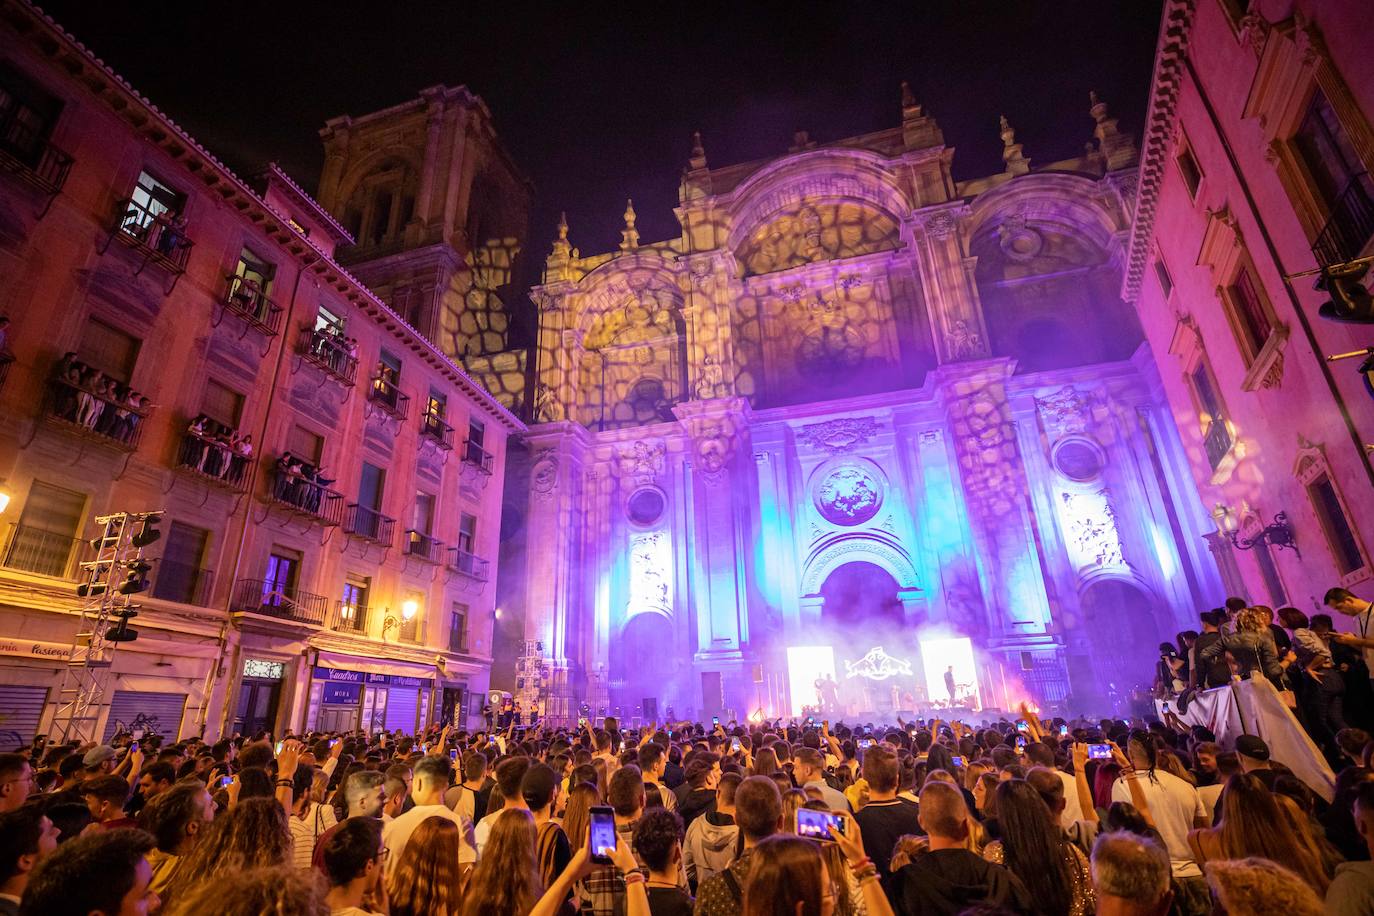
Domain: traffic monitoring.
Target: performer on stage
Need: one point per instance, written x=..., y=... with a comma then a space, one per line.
x=949, y=684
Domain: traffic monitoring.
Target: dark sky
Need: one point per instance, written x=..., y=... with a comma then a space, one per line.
x=600, y=106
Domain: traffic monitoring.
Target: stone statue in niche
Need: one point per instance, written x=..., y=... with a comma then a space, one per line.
x=963, y=342
x=709, y=384
x=546, y=406
x=643, y=461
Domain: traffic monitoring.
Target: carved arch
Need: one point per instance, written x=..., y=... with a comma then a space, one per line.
x=868, y=547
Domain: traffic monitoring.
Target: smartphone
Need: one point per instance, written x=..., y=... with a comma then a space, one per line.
x=1099, y=752
x=453, y=754
x=959, y=762
x=814, y=824
x=1022, y=726
x=734, y=745
x=715, y=720
x=1166, y=707
x=582, y=722
x=810, y=720
x=865, y=743
x=225, y=781
x=1063, y=731
x=601, y=836
x=280, y=745
x=333, y=742
x=1020, y=743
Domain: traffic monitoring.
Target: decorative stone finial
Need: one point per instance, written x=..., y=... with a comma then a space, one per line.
x=908, y=99
x=698, y=158
x=563, y=226
x=629, y=238
x=556, y=264
x=1012, y=155
x=1116, y=149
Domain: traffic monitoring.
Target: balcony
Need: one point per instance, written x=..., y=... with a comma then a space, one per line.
x=183, y=583
x=458, y=641
x=95, y=415
x=423, y=547
x=159, y=236
x=349, y=618
x=29, y=156
x=326, y=351
x=298, y=494
x=1216, y=441
x=213, y=461
x=478, y=457
x=46, y=553
x=389, y=398
x=434, y=428
x=369, y=524
x=245, y=298
x=1350, y=225
x=271, y=599
x=468, y=564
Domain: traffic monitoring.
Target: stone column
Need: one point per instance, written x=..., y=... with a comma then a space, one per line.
x=947, y=277
x=554, y=594
x=424, y=202
x=720, y=492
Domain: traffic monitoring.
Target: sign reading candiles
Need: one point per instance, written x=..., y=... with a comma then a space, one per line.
x=337, y=676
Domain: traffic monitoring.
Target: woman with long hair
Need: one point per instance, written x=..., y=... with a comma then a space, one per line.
x=1108, y=771
x=252, y=834
x=426, y=880
x=1035, y=849
x=792, y=799
x=1253, y=823
x=506, y=880
x=765, y=762
x=847, y=892
x=788, y=876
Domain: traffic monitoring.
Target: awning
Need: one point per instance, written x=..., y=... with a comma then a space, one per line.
x=370, y=665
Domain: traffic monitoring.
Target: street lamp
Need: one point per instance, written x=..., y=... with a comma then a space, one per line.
x=409, y=608
x=1279, y=532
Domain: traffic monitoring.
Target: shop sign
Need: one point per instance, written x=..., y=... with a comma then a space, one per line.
x=29, y=648
x=336, y=694
x=359, y=677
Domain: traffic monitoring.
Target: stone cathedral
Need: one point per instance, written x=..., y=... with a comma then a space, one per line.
x=855, y=395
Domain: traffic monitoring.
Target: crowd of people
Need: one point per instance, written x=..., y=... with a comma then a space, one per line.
x=1027, y=816
x=300, y=482
x=335, y=349
x=1323, y=675
x=216, y=450
x=90, y=398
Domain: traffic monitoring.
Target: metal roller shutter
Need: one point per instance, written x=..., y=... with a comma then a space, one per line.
x=160, y=712
x=401, y=704
x=21, y=708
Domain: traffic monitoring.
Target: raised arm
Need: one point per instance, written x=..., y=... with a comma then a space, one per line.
x=1132, y=777
x=1080, y=781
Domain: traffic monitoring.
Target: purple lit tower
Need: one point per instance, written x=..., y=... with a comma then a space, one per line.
x=852, y=403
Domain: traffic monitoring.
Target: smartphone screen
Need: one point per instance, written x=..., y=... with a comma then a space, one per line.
x=582, y=722
x=813, y=824
x=280, y=745
x=601, y=837
x=225, y=781
x=715, y=720
x=734, y=745
x=1099, y=752
x=1063, y=730
x=865, y=743
x=1021, y=726
x=959, y=762
x=453, y=754
x=334, y=742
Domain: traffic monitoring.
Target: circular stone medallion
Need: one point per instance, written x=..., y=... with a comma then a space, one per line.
x=849, y=494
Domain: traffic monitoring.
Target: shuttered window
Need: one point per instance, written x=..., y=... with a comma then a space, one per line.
x=21, y=708
x=109, y=350
x=222, y=404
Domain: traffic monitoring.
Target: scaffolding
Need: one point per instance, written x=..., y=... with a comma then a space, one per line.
x=532, y=679
x=109, y=580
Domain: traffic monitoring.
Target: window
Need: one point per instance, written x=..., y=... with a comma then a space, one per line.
x=381, y=216
x=1216, y=433
x=327, y=321
x=1340, y=538
x=46, y=534
x=181, y=575
x=370, y=485
x=279, y=579
x=410, y=629
x=1272, y=583
x=475, y=450
x=1188, y=168
x=108, y=350
x=1326, y=151
x=353, y=603
x=437, y=405
x=1166, y=281
x=467, y=532
x=1250, y=311
x=458, y=628
x=477, y=433
x=424, y=513
x=150, y=199
x=221, y=404
x=389, y=368
x=27, y=116
x=304, y=444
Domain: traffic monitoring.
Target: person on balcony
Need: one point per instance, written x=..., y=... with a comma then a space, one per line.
x=172, y=235
x=243, y=453
x=88, y=409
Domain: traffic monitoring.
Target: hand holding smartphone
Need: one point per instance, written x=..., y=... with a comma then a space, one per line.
x=1099, y=752
x=815, y=824
x=601, y=834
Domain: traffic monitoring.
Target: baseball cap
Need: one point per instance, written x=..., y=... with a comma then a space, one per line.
x=537, y=785
x=1252, y=746
x=98, y=755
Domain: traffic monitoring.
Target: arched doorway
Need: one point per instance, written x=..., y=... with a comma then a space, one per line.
x=643, y=662
x=1122, y=630
x=861, y=596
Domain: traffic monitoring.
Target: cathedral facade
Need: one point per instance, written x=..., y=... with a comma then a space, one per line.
x=856, y=403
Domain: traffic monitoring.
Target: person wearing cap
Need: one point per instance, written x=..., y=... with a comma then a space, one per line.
x=1254, y=758
x=539, y=789
x=99, y=761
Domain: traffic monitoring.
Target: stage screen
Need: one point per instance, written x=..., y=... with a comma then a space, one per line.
x=806, y=665
x=938, y=655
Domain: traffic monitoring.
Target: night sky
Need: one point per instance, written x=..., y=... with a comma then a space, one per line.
x=600, y=106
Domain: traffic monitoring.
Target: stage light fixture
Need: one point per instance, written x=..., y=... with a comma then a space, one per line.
x=1350, y=299
x=148, y=532
x=137, y=578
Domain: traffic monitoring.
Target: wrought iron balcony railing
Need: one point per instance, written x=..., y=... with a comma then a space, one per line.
x=46, y=553
x=468, y=564
x=350, y=618
x=297, y=493
x=478, y=457
x=423, y=547
x=1350, y=225
x=160, y=236
x=369, y=524
x=1216, y=441
x=94, y=414
x=271, y=599
x=329, y=352
x=213, y=461
x=245, y=298
x=433, y=427
x=458, y=641
x=26, y=152
x=389, y=398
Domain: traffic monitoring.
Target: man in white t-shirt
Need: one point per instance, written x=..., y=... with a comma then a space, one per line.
x=432, y=777
x=509, y=774
x=1174, y=804
x=1345, y=602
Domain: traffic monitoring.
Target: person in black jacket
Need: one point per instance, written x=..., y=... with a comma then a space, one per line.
x=949, y=878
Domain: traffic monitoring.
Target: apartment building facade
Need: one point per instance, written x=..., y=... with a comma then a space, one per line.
x=183, y=340
x=1254, y=179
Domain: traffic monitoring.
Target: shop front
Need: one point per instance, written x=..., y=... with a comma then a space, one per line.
x=344, y=699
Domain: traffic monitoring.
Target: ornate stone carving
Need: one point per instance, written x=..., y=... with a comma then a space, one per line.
x=963, y=342
x=547, y=408
x=849, y=494
x=839, y=436
x=1253, y=30
x=1090, y=529
x=1065, y=412
x=941, y=225
x=544, y=474
x=644, y=461
x=650, y=573
x=711, y=383
x=1018, y=240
